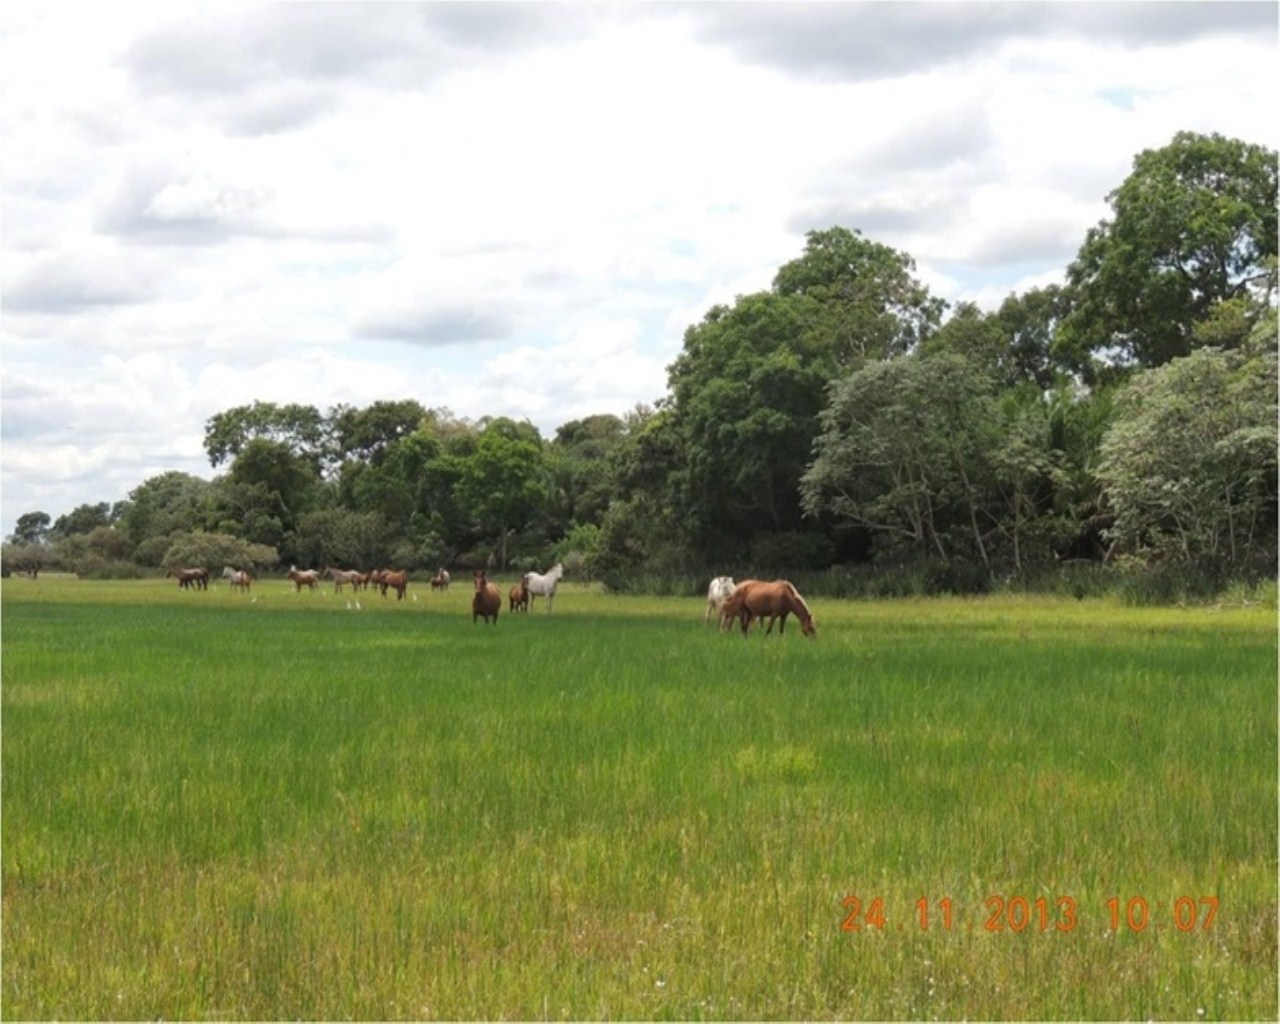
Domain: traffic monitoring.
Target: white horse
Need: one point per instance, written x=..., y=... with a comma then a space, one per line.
x=237, y=578
x=544, y=585
x=719, y=591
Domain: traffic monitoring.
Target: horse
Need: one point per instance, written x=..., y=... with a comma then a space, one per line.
x=719, y=591
x=238, y=579
x=544, y=585
x=360, y=580
x=341, y=576
x=440, y=581
x=519, y=596
x=396, y=580
x=774, y=601
x=486, y=601
x=190, y=578
x=303, y=578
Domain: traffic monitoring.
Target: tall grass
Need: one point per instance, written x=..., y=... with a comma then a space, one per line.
x=292, y=808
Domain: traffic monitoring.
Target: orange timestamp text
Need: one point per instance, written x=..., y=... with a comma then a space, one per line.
x=1002, y=913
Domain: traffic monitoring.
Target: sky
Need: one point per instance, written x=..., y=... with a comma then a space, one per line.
x=518, y=209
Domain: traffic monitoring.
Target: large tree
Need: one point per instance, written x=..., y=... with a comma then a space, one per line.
x=905, y=451
x=1189, y=462
x=31, y=528
x=751, y=380
x=301, y=429
x=163, y=505
x=505, y=482
x=1193, y=226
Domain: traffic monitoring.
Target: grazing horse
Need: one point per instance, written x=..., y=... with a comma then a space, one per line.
x=774, y=601
x=519, y=596
x=541, y=585
x=341, y=576
x=396, y=580
x=360, y=580
x=303, y=578
x=238, y=579
x=197, y=579
x=440, y=581
x=719, y=591
x=486, y=601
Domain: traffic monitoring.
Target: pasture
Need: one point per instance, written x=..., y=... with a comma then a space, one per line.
x=273, y=806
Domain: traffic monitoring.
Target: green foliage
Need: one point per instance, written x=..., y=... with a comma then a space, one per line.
x=868, y=300
x=504, y=483
x=212, y=551
x=82, y=519
x=1193, y=226
x=98, y=553
x=300, y=429
x=163, y=505
x=31, y=528
x=1189, y=462
x=905, y=452
x=345, y=539
x=25, y=558
x=366, y=434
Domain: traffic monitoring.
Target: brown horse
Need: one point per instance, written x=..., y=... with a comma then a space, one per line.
x=486, y=601
x=773, y=601
x=440, y=581
x=303, y=578
x=196, y=579
x=519, y=596
x=397, y=580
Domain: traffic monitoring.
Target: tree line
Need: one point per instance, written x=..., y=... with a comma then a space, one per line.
x=844, y=423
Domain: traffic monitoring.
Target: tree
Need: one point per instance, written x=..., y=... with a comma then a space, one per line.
x=285, y=477
x=1194, y=225
x=366, y=434
x=580, y=455
x=903, y=452
x=871, y=303
x=749, y=385
x=24, y=557
x=345, y=539
x=298, y=428
x=1029, y=324
x=31, y=528
x=504, y=483
x=82, y=519
x=162, y=505
x=1189, y=462
x=213, y=551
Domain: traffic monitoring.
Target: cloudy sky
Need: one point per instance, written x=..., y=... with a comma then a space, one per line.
x=517, y=209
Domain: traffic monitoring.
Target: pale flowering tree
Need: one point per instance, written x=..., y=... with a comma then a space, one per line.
x=1188, y=466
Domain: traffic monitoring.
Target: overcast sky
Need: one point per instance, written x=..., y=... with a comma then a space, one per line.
x=517, y=209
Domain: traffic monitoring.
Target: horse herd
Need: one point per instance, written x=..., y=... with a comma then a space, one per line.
x=746, y=602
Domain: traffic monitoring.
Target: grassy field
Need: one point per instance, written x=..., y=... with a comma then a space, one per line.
x=285, y=807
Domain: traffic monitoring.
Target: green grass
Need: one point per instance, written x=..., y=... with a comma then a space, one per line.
x=288, y=808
